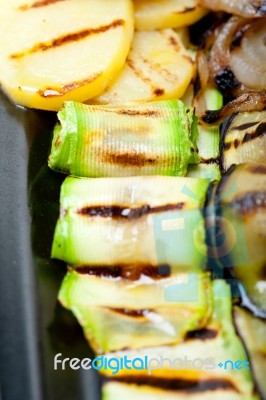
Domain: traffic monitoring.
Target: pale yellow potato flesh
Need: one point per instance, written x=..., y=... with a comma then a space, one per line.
x=57, y=50
x=160, y=14
x=158, y=67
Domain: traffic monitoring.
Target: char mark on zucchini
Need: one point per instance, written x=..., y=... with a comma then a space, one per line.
x=259, y=131
x=129, y=272
x=68, y=38
x=127, y=213
x=202, y=334
x=131, y=313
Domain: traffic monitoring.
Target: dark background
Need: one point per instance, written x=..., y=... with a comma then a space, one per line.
x=33, y=326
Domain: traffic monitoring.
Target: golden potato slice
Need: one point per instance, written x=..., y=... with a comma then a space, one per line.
x=158, y=67
x=159, y=14
x=57, y=50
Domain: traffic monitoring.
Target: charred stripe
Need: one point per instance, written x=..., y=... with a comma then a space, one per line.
x=38, y=4
x=259, y=131
x=54, y=92
x=130, y=272
x=68, y=38
x=202, y=334
x=126, y=212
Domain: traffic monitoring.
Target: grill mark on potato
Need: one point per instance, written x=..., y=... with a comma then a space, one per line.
x=131, y=313
x=189, y=59
x=52, y=92
x=114, y=211
x=159, y=92
x=68, y=38
x=187, y=385
x=202, y=334
x=38, y=4
x=167, y=75
x=141, y=76
x=129, y=272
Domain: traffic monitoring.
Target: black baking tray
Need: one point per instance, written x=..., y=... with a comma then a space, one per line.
x=33, y=325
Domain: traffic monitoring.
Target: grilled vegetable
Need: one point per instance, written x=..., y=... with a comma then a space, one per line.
x=116, y=314
x=211, y=348
x=253, y=333
x=131, y=222
x=244, y=8
x=154, y=14
x=102, y=141
x=44, y=62
x=117, y=390
x=208, y=141
x=158, y=66
x=241, y=226
x=245, y=139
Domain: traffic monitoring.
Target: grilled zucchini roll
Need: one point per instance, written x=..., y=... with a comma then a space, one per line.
x=221, y=372
x=245, y=139
x=240, y=201
x=116, y=314
x=131, y=222
x=106, y=141
x=253, y=333
x=208, y=141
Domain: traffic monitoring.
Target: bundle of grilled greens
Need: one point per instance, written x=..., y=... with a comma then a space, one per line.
x=143, y=230
x=162, y=220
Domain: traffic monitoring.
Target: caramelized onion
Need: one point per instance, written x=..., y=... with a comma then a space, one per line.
x=248, y=61
x=238, y=55
x=243, y=8
x=220, y=53
x=251, y=101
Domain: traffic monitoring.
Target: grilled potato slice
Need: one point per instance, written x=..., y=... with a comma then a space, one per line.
x=158, y=67
x=159, y=14
x=57, y=50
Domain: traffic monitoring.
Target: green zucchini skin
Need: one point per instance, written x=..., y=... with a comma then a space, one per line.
x=208, y=141
x=131, y=140
x=132, y=222
x=116, y=314
x=167, y=382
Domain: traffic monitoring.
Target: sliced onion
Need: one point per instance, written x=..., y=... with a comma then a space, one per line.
x=250, y=101
x=243, y=8
x=220, y=53
x=203, y=68
x=248, y=61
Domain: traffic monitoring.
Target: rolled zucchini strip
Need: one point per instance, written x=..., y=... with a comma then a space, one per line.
x=240, y=220
x=211, y=360
x=112, y=141
x=116, y=314
x=132, y=222
x=253, y=333
x=208, y=141
x=244, y=139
